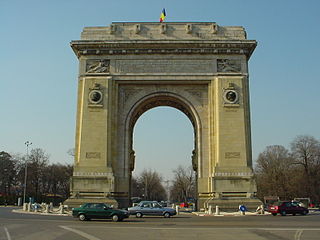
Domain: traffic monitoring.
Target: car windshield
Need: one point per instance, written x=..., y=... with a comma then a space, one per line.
x=156, y=205
x=96, y=205
x=296, y=204
x=276, y=203
x=149, y=205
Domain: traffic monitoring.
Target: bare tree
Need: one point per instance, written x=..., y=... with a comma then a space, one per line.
x=184, y=184
x=136, y=188
x=306, y=153
x=273, y=170
x=71, y=152
x=37, y=163
x=149, y=185
x=56, y=181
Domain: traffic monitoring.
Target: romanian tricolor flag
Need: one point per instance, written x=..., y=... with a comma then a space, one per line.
x=162, y=15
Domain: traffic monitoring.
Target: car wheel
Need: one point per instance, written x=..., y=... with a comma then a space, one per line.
x=166, y=215
x=274, y=214
x=304, y=212
x=115, y=218
x=139, y=215
x=283, y=213
x=82, y=217
x=293, y=214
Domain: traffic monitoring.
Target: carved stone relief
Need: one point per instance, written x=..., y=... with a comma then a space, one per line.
x=95, y=98
x=194, y=160
x=228, y=65
x=132, y=158
x=231, y=95
x=98, y=66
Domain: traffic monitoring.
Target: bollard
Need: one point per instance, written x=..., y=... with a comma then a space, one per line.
x=19, y=201
x=217, y=210
x=262, y=209
x=47, y=208
x=51, y=206
x=61, y=209
x=29, y=207
x=25, y=206
x=177, y=209
x=210, y=210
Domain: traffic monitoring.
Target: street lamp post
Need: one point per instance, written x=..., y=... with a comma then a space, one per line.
x=27, y=143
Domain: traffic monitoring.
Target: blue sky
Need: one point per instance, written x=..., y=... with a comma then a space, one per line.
x=38, y=73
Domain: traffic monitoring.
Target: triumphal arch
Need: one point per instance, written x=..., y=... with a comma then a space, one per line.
x=199, y=68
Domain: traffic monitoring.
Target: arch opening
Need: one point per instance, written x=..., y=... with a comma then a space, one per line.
x=178, y=108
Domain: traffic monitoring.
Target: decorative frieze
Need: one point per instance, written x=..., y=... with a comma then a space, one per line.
x=93, y=174
x=164, y=66
x=111, y=50
x=233, y=174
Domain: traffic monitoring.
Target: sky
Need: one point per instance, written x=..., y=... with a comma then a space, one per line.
x=38, y=73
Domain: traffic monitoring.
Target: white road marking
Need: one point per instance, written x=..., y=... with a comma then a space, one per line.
x=83, y=234
x=298, y=234
x=7, y=233
x=206, y=228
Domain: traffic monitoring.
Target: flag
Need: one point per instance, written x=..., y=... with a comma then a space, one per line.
x=162, y=15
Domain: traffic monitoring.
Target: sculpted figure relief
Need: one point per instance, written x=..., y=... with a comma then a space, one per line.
x=98, y=66
x=228, y=65
x=132, y=160
x=194, y=160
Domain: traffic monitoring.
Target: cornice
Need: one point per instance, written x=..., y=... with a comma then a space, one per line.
x=217, y=47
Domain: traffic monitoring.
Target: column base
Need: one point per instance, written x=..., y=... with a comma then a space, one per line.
x=229, y=205
x=76, y=202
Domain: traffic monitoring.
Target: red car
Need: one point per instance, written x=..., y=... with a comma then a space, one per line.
x=287, y=207
x=184, y=205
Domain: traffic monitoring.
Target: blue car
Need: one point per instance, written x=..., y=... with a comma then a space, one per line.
x=151, y=208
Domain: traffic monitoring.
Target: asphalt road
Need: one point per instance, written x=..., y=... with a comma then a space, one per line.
x=14, y=226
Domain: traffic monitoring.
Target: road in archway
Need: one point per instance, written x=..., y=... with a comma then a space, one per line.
x=15, y=226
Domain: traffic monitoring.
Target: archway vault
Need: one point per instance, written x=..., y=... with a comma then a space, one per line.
x=163, y=99
x=128, y=68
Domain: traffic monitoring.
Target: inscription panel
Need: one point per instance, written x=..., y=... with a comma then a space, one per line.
x=93, y=155
x=232, y=155
x=165, y=66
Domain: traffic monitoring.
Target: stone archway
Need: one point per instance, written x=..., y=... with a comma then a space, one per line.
x=199, y=68
x=152, y=100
